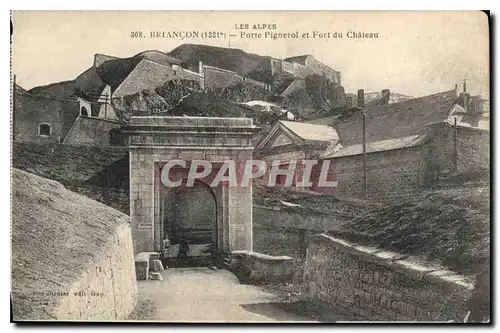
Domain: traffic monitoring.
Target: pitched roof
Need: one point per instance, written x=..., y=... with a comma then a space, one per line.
x=328, y=121
x=159, y=57
x=395, y=120
x=298, y=59
x=372, y=147
x=310, y=131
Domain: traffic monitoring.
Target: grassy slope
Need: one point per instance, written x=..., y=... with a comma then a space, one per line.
x=70, y=165
x=450, y=225
x=310, y=202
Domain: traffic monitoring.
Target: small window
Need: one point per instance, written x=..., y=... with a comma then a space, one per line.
x=44, y=129
x=84, y=112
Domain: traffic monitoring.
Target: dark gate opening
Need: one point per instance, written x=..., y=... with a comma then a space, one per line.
x=189, y=216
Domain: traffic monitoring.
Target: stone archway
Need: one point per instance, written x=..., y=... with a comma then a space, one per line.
x=155, y=140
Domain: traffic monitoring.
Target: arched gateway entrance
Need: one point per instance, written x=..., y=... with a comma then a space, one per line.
x=221, y=214
x=189, y=216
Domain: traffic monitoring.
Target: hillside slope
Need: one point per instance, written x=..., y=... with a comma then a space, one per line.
x=56, y=235
x=185, y=98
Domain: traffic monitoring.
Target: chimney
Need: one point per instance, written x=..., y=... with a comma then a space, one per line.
x=361, y=98
x=200, y=68
x=386, y=96
x=464, y=100
x=348, y=102
x=177, y=69
x=465, y=97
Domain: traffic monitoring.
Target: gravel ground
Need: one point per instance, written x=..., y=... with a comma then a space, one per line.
x=204, y=295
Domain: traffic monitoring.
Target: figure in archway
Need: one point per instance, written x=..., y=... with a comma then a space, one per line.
x=166, y=247
x=182, y=255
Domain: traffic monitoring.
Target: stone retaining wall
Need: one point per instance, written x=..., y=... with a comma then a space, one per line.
x=372, y=284
x=107, y=291
x=257, y=267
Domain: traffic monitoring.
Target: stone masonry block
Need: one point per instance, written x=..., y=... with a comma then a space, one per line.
x=157, y=266
x=142, y=266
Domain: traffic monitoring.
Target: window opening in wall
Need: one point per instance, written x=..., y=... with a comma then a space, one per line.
x=84, y=112
x=44, y=129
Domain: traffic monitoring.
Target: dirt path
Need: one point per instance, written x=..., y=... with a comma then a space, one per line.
x=205, y=295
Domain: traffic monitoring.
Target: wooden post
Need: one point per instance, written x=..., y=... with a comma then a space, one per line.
x=105, y=106
x=365, y=175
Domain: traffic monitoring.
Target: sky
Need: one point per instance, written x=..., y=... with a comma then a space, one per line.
x=417, y=53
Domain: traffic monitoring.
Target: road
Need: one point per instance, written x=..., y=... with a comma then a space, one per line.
x=203, y=295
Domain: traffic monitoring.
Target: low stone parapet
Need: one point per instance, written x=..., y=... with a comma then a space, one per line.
x=369, y=283
x=254, y=267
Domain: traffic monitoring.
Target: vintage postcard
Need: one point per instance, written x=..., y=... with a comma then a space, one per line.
x=224, y=166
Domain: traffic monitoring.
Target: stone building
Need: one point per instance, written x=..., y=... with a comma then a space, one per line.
x=149, y=70
x=304, y=65
x=49, y=113
x=408, y=145
x=72, y=120
x=41, y=118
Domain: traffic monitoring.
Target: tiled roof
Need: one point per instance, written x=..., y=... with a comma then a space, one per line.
x=371, y=147
x=394, y=120
x=310, y=131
